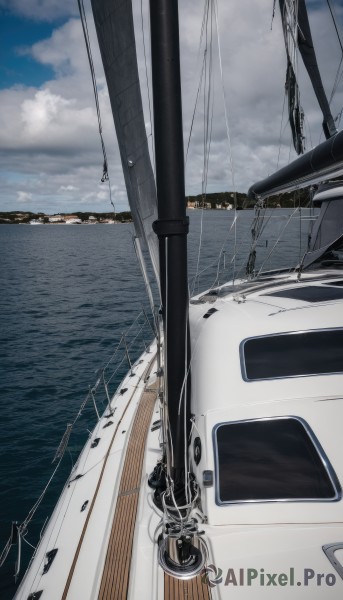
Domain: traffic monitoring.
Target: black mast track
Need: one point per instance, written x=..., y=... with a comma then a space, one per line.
x=172, y=224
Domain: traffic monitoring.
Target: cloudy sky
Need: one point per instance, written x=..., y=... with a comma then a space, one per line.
x=50, y=151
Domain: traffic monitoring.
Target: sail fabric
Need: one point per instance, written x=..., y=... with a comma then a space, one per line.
x=308, y=55
x=314, y=256
x=297, y=34
x=328, y=228
x=329, y=225
x=289, y=17
x=115, y=30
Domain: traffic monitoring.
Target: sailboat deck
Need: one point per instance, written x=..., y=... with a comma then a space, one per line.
x=116, y=573
x=192, y=589
x=115, y=579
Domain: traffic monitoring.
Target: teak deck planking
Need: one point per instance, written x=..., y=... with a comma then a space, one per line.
x=191, y=589
x=115, y=579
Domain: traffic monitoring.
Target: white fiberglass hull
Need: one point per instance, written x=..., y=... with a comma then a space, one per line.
x=255, y=549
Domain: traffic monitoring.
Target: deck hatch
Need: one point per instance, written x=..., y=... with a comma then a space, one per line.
x=310, y=293
x=293, y=354
x=269, y=460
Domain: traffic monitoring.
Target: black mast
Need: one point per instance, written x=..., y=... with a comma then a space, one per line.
x=172, y=224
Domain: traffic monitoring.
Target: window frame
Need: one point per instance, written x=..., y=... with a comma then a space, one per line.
x=280, y=334
x=318, y=447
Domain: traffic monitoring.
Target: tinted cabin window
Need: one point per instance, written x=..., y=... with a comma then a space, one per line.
x=311, y=293
x=295, y=354
x=272, y=459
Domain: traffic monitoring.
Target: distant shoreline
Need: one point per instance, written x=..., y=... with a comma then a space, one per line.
x=77, y=218
x=221, y=201
x=9, y=222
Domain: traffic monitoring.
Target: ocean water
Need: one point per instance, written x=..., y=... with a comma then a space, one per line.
x=67, y=293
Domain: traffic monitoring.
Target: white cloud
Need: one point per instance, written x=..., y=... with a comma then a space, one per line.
x=41, y=10
x=68, y=188
x=65, y=50
x=49, y=142
x=48, y=118
x=24, y=196
x=39, y=113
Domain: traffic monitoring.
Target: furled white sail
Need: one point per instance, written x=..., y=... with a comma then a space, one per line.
x=297, y=34
x=115, y=30
x=289, y=16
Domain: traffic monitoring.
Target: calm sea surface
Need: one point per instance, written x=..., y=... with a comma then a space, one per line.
x=66, y=295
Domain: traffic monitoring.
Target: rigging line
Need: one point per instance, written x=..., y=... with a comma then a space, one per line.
x=278, y=239
x=18, y=563
x=195, y=108
x=139, y=331
x=114, y=373
x=300, y=231
x=114, y=353
x=203, y=76
x=28, y=543
x=22, y=527
x=134, y=322
x=308, y=129
x=170, y=450
x=264, y=222
x=273, y=15
x=142, y=265
x=204, y=101
x=8, y=545
x=207, y=97
x=83, y=18
x=337, y=81
x=215, y=262
x=184, y=391
x=148, y=86
x=209, y=104
x=260, y=230
x=335, y=24
x=108, y=381
x=214, y=284
x=204, y=22
x=280, y=137
x=225, y=102
x=166, y=510
x=292, y=31
x=338, y=77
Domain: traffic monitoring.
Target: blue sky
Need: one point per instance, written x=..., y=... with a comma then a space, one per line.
x=50, y=154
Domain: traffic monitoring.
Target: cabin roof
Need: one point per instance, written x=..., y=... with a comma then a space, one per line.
x=222, y=394
x=219, y=330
